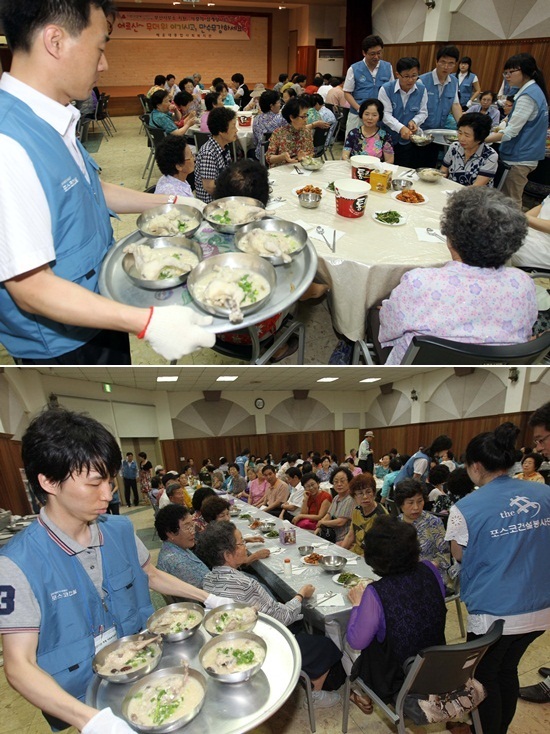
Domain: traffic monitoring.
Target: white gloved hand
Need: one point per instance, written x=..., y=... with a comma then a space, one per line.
x=173, y=331
x=105, y=722
x=212, y=601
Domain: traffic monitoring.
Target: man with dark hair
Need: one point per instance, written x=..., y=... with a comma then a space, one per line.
x=176, y=528
x=129, y=473
x=282, y=80
x=442, y=88
x=76, y=579
x=187, y=116
x=276, y=493
x=214, y=155
x=364, y=78
x=50, y=308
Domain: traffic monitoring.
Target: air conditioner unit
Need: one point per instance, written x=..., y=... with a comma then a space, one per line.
x=330, y=61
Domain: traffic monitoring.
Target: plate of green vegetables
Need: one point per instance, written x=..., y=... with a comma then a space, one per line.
x=390, y=217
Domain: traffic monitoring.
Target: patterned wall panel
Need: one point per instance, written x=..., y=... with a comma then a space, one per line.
x=389, y=410
x=205, y=418
x=501, y=19
x=351, y=420
x=399, y=21
x=540, y=391
x=299, y=415
x=480, y=394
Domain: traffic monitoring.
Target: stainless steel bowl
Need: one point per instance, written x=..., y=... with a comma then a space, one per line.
x=333, y=563
x=129, y=267
x=211, y=208
x=313, y=165
x=154, y=678
x=274, y=225
x=185, y=633
x=210, y=619
x=450, y=138
x=305, y=550
x=309, y=201
x=265, y=527
x=234, y=512
x=400, y=184
x=232, y=260
x=237, y=676
x=131, y=675
x=422, y=140
x=188, y=211
x=430, y=175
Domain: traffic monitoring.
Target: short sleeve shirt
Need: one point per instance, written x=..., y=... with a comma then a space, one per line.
x=484, y=162
x=209, y=163
x=341, y=508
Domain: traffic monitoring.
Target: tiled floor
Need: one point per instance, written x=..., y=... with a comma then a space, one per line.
x=19, y=717
x=122, y=159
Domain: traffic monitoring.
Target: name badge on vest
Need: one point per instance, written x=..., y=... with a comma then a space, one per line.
x=104, y=638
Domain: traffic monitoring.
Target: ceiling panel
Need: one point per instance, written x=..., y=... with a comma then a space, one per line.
x=249, y=378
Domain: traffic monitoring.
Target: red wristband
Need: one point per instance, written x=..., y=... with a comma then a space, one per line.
x=142, y=333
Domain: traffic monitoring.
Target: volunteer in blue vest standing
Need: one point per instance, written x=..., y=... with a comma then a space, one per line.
x=76, y=579
x=442, y=87
x=418, y=466
x=523, y=141
x=501, y=533
x=55, y=228
x=365, y=77
x=405, y=109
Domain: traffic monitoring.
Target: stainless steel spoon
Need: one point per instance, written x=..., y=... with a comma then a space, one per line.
x=321, y=231
x=298, y=171
x=433, y=233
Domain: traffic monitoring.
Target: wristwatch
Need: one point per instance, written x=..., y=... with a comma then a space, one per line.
x=172, y=199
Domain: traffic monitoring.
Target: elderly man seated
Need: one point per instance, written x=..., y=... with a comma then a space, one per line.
x=214, y=155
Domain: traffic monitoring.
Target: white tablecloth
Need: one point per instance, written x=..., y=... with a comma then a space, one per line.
x=244, y=136
x=370, y=258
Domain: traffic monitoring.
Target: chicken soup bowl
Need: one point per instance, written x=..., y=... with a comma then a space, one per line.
x=259, y=237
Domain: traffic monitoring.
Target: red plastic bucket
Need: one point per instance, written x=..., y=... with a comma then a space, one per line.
x=351, y=197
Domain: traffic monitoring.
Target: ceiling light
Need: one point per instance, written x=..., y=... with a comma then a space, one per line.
x=371, y=379
x=282, y=7
x=167, y=378
x=328, y=379
x=227, y=378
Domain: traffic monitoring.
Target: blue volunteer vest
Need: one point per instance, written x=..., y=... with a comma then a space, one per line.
x=505, y=569
x=70, y=607
x=438, y=107
x=365, y=84
x=530, y=144
x=403, y=113
x=407, y=471
x=81, y=229
x=465, y=88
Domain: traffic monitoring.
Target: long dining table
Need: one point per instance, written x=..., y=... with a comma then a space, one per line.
x=369, y=257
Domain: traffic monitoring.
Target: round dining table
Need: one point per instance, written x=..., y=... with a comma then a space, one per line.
x=245, y=137
x=369, y=257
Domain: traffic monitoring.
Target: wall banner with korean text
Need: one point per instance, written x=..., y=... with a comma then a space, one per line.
x=178, y=26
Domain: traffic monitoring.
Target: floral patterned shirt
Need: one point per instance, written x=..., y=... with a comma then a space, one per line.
x=433, y=546
x=459, y=302
x=288, y=140
x=265, y=123
x=484, y=162
x=376, y=145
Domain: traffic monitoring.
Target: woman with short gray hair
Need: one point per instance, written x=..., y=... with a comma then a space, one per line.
x=474, y=298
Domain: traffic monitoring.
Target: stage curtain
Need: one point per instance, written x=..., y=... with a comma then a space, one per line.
x=358, y=25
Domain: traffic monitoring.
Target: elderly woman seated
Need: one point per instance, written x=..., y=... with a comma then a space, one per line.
x=474, y=298
x=315, y=503
x=176, y=528
x=531, y=464
x=337, y=520
x=160, y=116
x=394, y=618
x=214, y=155
x=175, y=161
x=293, y=142
x=363, y=491
x=410, y=499
x=222, y=548
x=470, y=161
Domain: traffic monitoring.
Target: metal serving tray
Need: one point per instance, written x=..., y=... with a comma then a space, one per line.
x=227, y=709
x=292, y=281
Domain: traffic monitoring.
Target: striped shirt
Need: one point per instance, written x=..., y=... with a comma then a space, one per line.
x=209, y=163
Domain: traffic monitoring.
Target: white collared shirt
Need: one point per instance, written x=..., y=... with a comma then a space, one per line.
x=349, y=83
x=392, y=122
x=27, y=242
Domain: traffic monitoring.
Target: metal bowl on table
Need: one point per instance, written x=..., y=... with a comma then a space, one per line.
x=309, y=201
x=312, y=164
x=155, y=678
x=191, y=217
x=305, y=550
x=267, y=526
x=231, y=261
x=400, y=184
x=129, y=266
x=289, y=229
x=234, y=511
x=128, y=676
x=333, y=563
x=430, y=175
x=214, y=623
x=155, y=627
x=210, y=211
x=237, y=676
x=450, y=137
x=422, y=139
